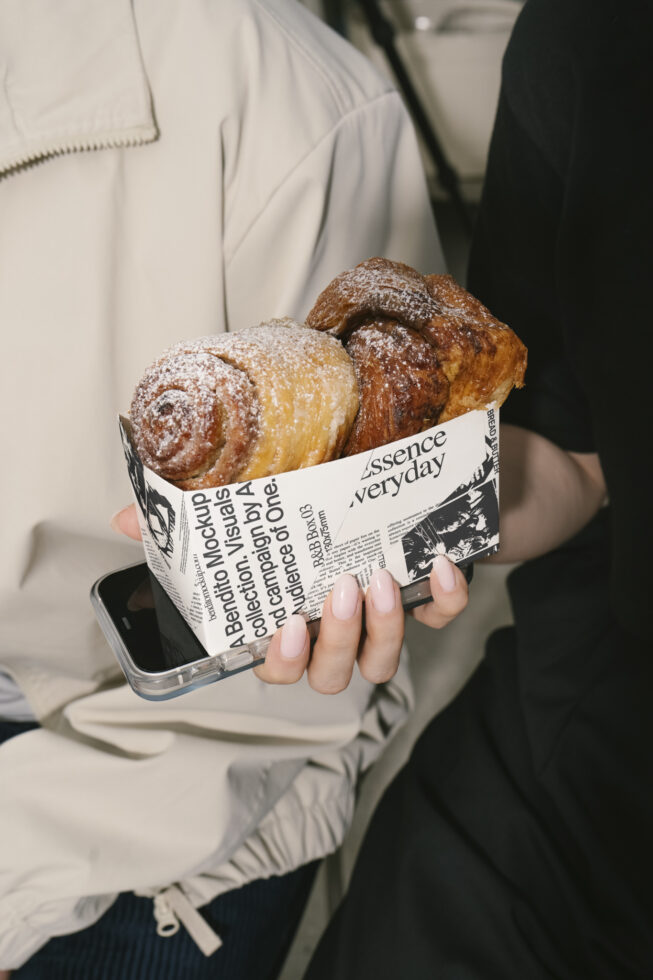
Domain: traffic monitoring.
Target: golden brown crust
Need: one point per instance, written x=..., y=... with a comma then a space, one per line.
x=480, y=357
x=402, y=387
x=235, y=407
x=418, y=350
x=374, y=289
x=194, y=418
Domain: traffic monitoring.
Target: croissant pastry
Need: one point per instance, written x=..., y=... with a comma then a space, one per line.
x=424, y=349
x=390, y=353
x=235, y=407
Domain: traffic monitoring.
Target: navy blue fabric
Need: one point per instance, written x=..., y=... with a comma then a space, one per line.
x=10, y=728
x=256, y=924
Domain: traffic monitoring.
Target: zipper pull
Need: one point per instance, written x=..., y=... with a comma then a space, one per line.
x=167, y=923
x=170, y=907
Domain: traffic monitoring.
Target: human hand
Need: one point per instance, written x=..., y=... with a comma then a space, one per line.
x=5, y=974
x=126, y=522
x=343, y=640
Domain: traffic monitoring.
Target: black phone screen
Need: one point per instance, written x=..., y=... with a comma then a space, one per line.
x=151, y=628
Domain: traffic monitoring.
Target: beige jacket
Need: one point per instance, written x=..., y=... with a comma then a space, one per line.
x=171, y=168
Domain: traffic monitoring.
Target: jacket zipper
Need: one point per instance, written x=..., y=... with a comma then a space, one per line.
x=105, y=141
x=172, y=907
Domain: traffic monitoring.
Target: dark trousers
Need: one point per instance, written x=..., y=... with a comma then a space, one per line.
x=517, y=842
x=256, y=924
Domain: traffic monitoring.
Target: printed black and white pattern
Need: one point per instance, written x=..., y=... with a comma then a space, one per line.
x=157, y=510
x=464, y=527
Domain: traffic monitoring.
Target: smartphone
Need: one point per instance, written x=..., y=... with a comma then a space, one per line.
x=159, y=654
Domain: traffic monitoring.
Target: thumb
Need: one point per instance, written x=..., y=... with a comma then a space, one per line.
x=124, y=522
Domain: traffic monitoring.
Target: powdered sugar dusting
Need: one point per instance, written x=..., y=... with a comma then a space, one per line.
x=189, y=408
x=280, y=396
x=236, y=406
x=481, y=356
x=374, y=288
x=402, y=386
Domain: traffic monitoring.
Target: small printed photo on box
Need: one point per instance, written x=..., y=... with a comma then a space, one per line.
x=464, y=527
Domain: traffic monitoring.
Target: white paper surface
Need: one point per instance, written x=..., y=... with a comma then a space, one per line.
x=238, y=560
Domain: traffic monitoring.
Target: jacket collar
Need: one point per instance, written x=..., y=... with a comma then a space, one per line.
x=71, y=78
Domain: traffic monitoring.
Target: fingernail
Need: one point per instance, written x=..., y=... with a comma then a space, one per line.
x=445, y=573
x=382, y=591
x=344, y=598
x=293, y=637
x=115, y=522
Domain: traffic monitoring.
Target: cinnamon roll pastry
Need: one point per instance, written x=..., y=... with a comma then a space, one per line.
x=235, y=407
x=456, y=355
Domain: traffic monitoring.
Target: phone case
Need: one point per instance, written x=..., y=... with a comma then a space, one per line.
x=161, y=685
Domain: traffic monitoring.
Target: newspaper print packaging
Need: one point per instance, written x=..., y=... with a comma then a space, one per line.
x=237, y=560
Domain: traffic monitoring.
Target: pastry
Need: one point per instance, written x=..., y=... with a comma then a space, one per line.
x=385, y=354
x=402, y=387
x=235, y=407
x=475, y=360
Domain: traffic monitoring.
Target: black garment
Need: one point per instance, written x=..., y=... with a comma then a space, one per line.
x=517, y=843
x=563, y=250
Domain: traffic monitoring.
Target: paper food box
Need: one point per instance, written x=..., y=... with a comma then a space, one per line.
x=237, y=560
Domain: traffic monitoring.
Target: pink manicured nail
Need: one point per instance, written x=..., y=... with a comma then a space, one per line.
x=382, y=591
x=293, y=638
x=445, y=573
x=344, y=598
